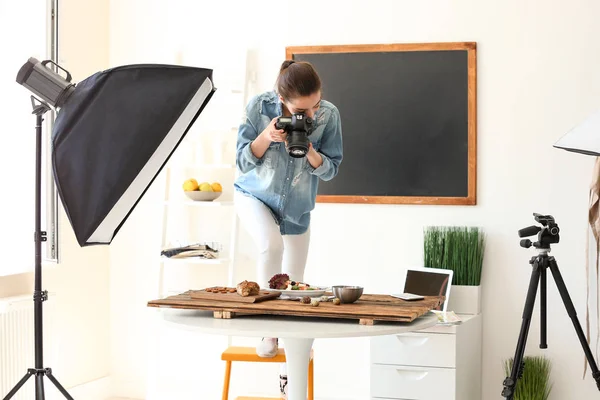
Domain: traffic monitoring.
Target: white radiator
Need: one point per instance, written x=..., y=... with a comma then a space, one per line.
x=17, y=344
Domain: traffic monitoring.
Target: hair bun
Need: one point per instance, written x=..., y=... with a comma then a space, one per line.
x=286, y=64
x=302, y=80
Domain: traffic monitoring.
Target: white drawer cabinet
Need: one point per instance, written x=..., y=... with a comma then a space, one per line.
x=438, y=363
x=406, y=382
x=418, y=349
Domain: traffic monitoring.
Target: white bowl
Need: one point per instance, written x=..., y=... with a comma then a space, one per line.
x=198, y=195
x=315, y=292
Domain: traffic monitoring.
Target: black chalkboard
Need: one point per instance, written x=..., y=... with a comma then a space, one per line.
x=408, y=121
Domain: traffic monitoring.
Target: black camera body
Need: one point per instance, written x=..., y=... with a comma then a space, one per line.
x=298, y=128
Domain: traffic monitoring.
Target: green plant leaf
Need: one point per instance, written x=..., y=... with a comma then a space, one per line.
x=535, y=382
x=460, y=249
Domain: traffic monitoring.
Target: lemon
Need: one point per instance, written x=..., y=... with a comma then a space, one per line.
x=190, y=185
x=216, y=187
x=205, y=187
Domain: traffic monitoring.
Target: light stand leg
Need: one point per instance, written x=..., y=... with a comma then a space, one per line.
x=566, y=298
x=57, y=384
x=14, y=390
x=511, y=382
x=39, y=386
x=39, y=295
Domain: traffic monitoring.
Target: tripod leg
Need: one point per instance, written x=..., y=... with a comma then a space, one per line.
x=57, y=384
x=566, y=298
x=543, y=321
x=18, y=386
x=39, y=387
x=511, y=382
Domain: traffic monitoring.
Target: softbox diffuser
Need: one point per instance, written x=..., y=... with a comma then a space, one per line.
x=583, y=138
x=114, y=134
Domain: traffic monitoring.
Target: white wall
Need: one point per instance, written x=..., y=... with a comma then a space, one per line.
x=537, y=77
x=80, y=280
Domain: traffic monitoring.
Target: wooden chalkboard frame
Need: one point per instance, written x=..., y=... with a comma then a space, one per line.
x=471, y=48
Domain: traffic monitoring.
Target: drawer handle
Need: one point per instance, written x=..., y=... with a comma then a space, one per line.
x=412, y=340
x=411, y=375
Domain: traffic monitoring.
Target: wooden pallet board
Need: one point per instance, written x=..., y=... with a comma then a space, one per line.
x=232, y=296
x=369, y=309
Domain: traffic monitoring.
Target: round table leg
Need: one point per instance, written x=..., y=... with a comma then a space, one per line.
x=297, y=354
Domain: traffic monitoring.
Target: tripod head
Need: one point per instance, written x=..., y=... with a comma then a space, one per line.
x=547, y=233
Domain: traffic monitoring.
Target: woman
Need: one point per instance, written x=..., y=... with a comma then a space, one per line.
x=275, y=192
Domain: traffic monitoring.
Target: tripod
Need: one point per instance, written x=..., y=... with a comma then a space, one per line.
x=547, y=235
x=39, y=296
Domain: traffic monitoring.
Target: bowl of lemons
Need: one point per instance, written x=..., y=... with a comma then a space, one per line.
x=203, y=191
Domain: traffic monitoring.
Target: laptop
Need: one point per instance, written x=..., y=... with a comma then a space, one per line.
x=428, y=282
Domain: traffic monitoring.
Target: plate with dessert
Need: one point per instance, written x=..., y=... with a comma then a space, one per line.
x=282, y=283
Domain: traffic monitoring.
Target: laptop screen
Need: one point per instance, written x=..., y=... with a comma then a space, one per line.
x=427, y=283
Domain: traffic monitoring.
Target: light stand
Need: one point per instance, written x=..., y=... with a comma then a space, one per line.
x=103, y=166
x=39, y=295
x=547, y=235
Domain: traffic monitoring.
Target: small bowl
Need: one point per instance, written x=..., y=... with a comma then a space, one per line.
x=198, y=195
x=347, y=294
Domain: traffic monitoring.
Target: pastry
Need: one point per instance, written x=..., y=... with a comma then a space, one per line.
x=247, y=288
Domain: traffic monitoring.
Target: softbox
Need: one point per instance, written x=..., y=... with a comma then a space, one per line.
x=114, y=134
x=583, y=138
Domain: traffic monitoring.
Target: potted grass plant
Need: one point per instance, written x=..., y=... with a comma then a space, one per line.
x=460, y=249
x=535, y=382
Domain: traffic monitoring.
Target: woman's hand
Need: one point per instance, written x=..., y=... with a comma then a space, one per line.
x=263, y=140
x=272, y=134
x=314, y=158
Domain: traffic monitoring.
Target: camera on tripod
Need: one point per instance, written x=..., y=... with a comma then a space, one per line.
x=547, y=234
x=298, y=127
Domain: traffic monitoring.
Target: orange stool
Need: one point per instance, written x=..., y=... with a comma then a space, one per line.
x=248, y=354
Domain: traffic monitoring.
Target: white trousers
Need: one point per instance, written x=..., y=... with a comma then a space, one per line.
x=277, y=253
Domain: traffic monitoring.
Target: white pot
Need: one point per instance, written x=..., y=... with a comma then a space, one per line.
x=465, y=299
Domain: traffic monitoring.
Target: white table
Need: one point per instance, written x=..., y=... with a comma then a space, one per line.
x=297, y=334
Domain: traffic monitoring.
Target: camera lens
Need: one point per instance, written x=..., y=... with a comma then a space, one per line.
x=297, y=152
x=298, y=144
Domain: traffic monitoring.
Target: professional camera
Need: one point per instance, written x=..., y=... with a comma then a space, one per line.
x=298, y=127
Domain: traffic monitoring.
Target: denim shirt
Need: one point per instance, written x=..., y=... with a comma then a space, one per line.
x=286, y=185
